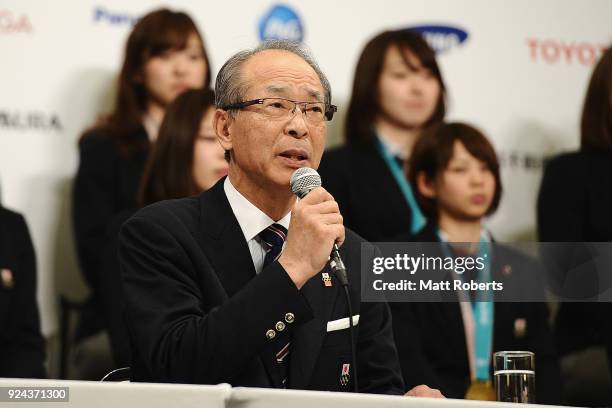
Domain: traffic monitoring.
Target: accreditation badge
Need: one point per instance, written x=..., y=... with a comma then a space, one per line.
x=481, y=390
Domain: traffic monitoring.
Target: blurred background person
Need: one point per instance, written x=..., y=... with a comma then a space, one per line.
x=398, y=90
x=164, y=56
x=186, y=160
x=455, y=172
x=22, y=347
x=574, y=206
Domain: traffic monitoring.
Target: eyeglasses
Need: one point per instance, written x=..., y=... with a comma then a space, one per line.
x=281, y=108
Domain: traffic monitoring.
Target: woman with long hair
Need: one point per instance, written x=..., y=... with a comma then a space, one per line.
x=398, y=91
x=164, y=56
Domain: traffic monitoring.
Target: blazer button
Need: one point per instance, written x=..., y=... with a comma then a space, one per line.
x=289, y=317
x=270, y=334
x=280, y=326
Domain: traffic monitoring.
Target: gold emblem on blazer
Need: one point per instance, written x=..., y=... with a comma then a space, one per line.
x=520, y=328
x=7, y=278
x=507, y=270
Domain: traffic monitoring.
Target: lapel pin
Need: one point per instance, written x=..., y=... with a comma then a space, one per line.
x=520, y=328
x=7, y=278
x=507, y=270
x=345, y=376
x=326, y=279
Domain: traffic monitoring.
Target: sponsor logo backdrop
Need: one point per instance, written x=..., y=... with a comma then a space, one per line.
x=518, y=70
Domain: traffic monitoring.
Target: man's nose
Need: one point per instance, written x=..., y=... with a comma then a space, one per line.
x=297, y=126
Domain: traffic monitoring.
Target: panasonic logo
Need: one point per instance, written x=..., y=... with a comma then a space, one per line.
x=102, y=15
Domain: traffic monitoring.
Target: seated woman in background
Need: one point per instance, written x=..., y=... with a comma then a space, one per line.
x=397, y=91
x=449, y=345
x=22, y=347
x=164, y=56
x=574, y=206
x=186, y=160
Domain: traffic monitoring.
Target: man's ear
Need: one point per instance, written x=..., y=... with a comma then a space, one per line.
x=425, y=185
x=222, y=124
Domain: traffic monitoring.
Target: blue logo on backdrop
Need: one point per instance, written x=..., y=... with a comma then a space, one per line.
x=281, y=23
x=102, y=15
x=441, y=38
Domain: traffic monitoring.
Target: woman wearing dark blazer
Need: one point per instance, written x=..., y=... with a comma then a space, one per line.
x=22, y=347
x=575, y=205
x=164, y=56
x=456, y=177
x=397, y=91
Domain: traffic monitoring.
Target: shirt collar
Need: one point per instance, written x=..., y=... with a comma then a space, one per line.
x=250, y=218
x=485, y=235
x=393, y=148
x=151, y=127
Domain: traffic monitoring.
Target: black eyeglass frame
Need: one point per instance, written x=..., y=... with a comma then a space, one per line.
x=329, y=108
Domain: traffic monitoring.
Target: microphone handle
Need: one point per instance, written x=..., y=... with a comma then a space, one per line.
x=338, y=266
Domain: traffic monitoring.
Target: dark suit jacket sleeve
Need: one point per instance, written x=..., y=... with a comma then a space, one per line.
x=23, y=354
x=93, y=200
x=170, y=288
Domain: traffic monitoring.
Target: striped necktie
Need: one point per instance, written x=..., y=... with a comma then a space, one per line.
x=273, y=239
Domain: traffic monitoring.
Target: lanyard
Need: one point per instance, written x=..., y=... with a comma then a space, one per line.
x=482, y=308
x=418, y=219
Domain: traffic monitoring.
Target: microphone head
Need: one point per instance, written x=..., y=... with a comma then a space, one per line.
x=303, y=180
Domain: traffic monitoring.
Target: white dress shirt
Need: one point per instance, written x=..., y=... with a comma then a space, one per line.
x=252, y=221
x=394, y=149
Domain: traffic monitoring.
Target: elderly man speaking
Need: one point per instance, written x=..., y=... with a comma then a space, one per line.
x=233, y=285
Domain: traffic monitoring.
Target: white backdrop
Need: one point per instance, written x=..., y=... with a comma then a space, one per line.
x=520, y=76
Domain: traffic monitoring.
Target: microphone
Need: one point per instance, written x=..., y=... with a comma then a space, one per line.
x=302, y=181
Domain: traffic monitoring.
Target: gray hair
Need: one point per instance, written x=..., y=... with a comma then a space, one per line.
x=230, y=86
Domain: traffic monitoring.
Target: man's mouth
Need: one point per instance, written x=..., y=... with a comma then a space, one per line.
x=295, y=154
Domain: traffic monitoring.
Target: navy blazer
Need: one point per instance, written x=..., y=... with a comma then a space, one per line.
x=105, y=188
x=198, y=313
x=105, y=185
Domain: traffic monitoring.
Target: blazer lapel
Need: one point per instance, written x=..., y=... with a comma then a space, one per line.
x=307, y=339
x=223, y=241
